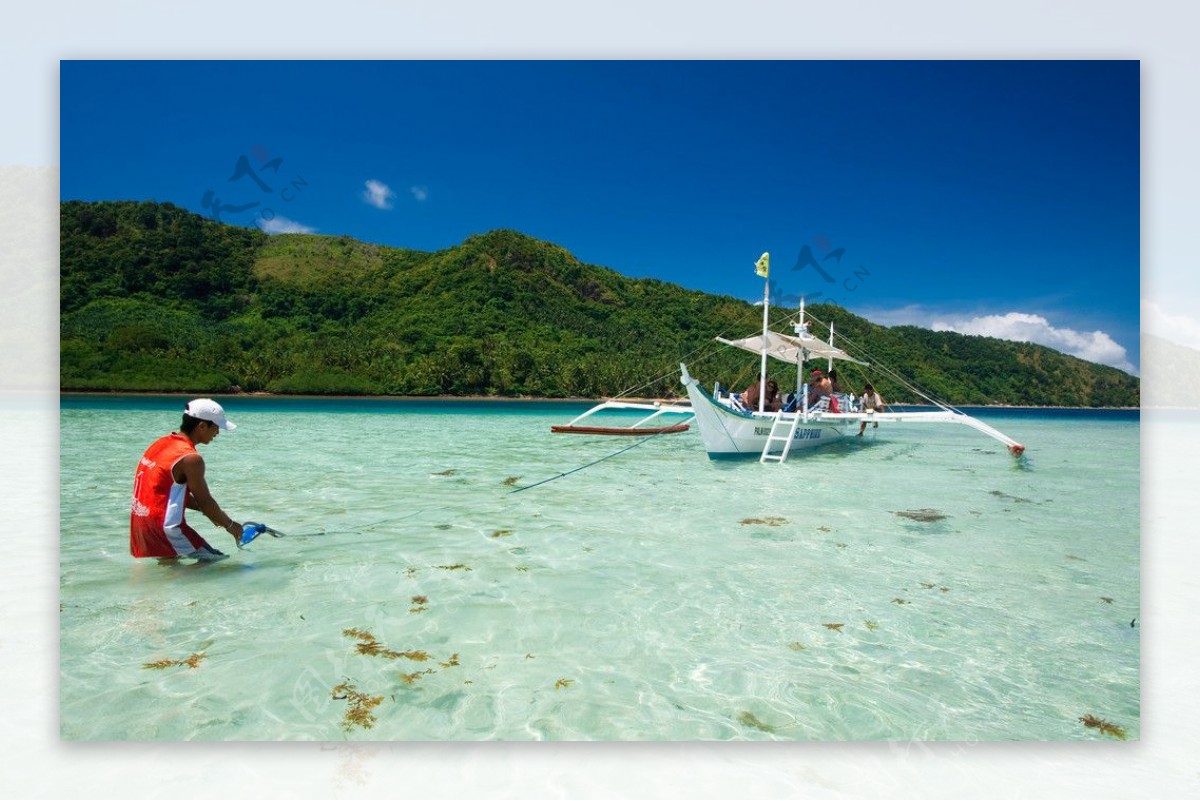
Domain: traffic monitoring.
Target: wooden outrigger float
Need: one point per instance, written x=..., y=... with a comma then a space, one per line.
x=637, y=429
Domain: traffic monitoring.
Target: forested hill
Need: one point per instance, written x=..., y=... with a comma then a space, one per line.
x=154, y=297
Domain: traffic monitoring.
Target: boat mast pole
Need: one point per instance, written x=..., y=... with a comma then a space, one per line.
x=800, y=387
x=762, y=370
x=830, y=365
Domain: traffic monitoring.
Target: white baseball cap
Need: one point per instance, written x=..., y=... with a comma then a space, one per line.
x=210, y=410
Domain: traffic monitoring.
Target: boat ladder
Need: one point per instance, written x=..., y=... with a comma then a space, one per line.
x=783, y=420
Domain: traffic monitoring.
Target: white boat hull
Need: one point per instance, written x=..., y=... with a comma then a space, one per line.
x=730, y=434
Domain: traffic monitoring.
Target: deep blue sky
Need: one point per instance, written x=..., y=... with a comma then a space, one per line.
x=958, y=190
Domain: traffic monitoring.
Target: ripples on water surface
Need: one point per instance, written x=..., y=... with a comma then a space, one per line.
x=654, y=596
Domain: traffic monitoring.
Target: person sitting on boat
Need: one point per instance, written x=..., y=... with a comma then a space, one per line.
x=819, y=386
x=871, y=402
x=839, y=399
x=771, y=400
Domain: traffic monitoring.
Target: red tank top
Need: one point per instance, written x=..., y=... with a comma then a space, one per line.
x=156, y=524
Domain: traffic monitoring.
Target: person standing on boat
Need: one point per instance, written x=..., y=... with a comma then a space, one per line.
x=871, y=402
x=820, y=386
x=170, y=478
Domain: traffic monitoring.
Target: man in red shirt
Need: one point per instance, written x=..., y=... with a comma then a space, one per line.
x=170, y=478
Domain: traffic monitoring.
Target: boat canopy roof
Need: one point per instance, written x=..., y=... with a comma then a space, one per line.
x=790, y=349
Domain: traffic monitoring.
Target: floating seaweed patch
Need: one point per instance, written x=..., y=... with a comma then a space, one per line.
x=825, y=529
x=511, y=480
x=765, y=521
x=410, y=571
x=1106, y=599
x=922, y=515
x=420, y=604
x=900, y=601
x=944, y=589
x=458, y=566
x=563, y=684
x=1093, y=722
x=192, y=662
x=504, y=532
x=411, y=678
x=368, y=646
x=522, y=568
x=416, y=656
x=871, y=625
x=451, y=662
x=420, y=600
x=358, y=706
x=834, y=626
x=449, y=472
x=796, y=645
x=1074, y=558
x=748, y=719
x=925, y=585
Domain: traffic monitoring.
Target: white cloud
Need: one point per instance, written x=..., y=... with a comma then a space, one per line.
x=282, y=225
x=420, y=192
x=378, y=194
x=1178, y=328
x=1092, y=346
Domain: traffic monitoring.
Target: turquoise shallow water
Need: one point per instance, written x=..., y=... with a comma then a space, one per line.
x=654, y=596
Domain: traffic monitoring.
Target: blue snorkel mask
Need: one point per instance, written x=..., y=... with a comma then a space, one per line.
x=251, y=531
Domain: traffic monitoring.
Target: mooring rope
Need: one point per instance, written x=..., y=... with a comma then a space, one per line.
x=590, y=464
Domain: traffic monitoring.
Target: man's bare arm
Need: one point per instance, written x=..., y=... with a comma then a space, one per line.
x=191, y=469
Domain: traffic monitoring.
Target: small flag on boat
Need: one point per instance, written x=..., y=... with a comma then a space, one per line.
x=763, y=265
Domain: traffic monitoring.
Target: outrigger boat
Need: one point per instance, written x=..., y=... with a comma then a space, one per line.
x=729, y=430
